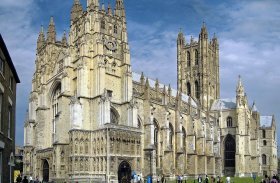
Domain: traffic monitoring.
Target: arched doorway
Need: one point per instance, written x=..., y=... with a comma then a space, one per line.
x=46, y=169
x=229, y=156
x=124, y=172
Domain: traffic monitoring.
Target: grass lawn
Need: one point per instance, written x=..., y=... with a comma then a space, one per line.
x=232, y=179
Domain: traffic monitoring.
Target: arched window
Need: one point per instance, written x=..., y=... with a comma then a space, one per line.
x=171, y=134
x=103, y=24
x=114, y=117
x=197, y=92
x=184, y=138
x=115, y=29
x=229, y=121
x=229, y=151
x=55, y=99
x=156, y=130
x=189, y=92
x=263, y=134
x=139, y=123
x=196, y=57
x=188, y=59
x=264, y=159
x=264, y=142
x=156, y=135
x=55, y=109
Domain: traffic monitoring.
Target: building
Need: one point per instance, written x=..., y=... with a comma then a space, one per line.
x=91, y=118
x=8, y=82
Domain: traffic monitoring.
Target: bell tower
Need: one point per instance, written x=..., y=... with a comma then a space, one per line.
x=198, y=68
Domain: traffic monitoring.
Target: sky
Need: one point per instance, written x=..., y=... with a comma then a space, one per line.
x=248, y=33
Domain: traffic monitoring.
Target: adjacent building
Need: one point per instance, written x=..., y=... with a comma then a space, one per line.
x=92, y=119
x=8, y=83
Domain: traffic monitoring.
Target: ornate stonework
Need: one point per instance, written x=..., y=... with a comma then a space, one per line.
x=91, y=118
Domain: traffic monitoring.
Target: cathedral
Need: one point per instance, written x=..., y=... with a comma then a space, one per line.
x=92, y=119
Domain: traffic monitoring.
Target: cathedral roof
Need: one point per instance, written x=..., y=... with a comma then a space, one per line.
x=223, y=104
x=266, y=121
x=136, y=77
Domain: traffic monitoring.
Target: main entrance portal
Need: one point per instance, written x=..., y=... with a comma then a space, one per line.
x=124, y=172
x=46, y=171
x=229, y=156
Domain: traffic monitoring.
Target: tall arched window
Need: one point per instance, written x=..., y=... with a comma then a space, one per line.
x=156, y=135
x=264, y=142
x=156, y=130
x=189, y=92
x=196, y=57
x=184, y=138
x=103, y=24
x=55, y=99
x=263, y=134
x=264, y=159
x=114, y=117
x=229, y=121
x=55, y=109
x=229, y=151
x=115, y=29
x=188, y=59
x=171, y=134
x=197, y=92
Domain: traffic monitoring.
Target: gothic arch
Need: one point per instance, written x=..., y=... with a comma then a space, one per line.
x=197, y=90
x=229, y=151
x=114, y=116
x=189, y=89
x=188, y=59
x=124, y=172
x=46, y=170
x=184, y=136
x=54, y=86
x=171, y=135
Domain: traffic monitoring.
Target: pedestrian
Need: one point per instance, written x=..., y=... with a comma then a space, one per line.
x=228, y=180
x=199, y=180
x=158, y=179
x=178, y=179
x=206, y=179
x=181, y=178
x=162, y=179
x=19, y=179
x=25, y=180
x=218, y=179
x=37, y=180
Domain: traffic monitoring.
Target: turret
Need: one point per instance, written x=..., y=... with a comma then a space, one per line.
x=77, y=10
x=255, y=111
x=93, y=5
x=203, y=33
x=181, y=39
x=64, y=39
x=51, y=35
x=41, y=39
x=240, y=94
x=120, y=11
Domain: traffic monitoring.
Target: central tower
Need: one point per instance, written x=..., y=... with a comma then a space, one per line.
x=198, y=68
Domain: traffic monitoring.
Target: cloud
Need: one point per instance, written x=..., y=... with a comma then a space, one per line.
x=20, y=38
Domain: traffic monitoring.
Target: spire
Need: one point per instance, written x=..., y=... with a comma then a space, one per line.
x=77, y=10
x=109, y=9
x=120, y=11
x=203, y=33
x=240, y=88
x=181, y=38
x=142, y=79
x=51, y=35
x=254, y=107
x=93, y=4
x=41, y=38
x=64, y=39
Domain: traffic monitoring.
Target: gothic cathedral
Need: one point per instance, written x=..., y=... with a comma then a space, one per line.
x=91, y=119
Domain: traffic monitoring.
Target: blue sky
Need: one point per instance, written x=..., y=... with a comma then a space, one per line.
x=248, y=32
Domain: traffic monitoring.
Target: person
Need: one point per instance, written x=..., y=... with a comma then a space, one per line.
x=158, y=179
x=25, y=180
x=178, y=179
x=19, y=179
x=228, y=179
x=199, y=179
x=139, y=179
x=30, y=179
x=206, y=179
x=37, y=180
x=273, y=180
x=218, y=179
x=162, y=179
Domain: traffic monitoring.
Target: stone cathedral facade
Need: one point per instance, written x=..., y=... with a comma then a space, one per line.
x=91, y=118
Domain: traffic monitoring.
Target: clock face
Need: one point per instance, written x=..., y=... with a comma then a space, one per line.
x=110, y=45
